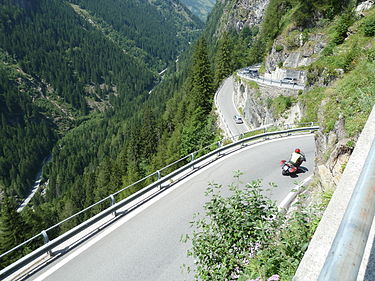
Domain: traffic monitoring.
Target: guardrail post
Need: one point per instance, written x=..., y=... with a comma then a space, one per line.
x=158, y=174
x=46, y=240
x=219, y=145
x=312, y=124
x=242, y=135
x=192, y=159
x=113, y=202
x=159, y=177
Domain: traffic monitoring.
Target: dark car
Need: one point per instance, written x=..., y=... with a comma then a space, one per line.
x=288, y=80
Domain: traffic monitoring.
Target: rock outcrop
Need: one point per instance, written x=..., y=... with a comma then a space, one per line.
x=333, y=152
x=254, y=101
x=364, y=6
x=291, y=52
x=240, y=13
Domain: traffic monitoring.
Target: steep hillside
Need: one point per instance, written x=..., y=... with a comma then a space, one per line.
x=72, y=59
x=335, y=60
x=155, y=31
x=82, y=85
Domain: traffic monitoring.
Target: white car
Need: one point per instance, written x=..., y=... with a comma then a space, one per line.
x=237, y=119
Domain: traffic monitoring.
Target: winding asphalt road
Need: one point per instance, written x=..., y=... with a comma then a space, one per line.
x=226, y=108
x=147, y=246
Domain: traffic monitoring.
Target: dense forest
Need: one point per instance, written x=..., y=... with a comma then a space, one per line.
x=78, y=87
x=143, y=29
x=72, y=63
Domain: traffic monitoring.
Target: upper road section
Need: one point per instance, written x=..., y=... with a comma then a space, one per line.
x=286, y=84
x=227, y=110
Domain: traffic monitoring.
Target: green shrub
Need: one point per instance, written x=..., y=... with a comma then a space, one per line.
x=371, y=55
x=369, y=26
x=328, y=50
x=283, y=254
x=281, y=104
x=252, y=84
x=279, y=48
x=234, y=229
x=341, y=28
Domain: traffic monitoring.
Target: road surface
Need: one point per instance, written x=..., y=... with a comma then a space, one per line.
x=227, y=109
x=147, y=246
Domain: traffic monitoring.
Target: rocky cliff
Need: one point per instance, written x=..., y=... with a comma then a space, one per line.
x=240, y=13
x=255, y=101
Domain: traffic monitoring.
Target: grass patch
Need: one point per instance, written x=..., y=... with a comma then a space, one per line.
x=281, y=104
x=311, y=101
x=352, y=99
x=352, y=96
x=252, y=84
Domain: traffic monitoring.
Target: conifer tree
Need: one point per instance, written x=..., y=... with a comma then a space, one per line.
x=202, y=93
x=12, y=230
x=223, y=60
x=202, y=82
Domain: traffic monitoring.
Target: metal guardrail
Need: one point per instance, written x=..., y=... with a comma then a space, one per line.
x=346, y=253
x=49, y=245
x=261, y=79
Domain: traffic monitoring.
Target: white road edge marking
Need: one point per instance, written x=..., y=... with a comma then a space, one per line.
x=236, y=109
x=293, y=194
x=145, y=206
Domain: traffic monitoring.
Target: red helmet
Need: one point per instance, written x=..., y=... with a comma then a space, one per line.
x=297, y=150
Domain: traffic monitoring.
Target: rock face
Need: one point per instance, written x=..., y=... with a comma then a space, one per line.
x=333, y=152
x=364, y=6
x=291, y=51
x=250, y=12
x=240, y=13
x=253, y=100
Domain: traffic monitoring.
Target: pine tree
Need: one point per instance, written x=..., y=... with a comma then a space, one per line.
x=202, y=82
x=12, y=230
x=223, y=60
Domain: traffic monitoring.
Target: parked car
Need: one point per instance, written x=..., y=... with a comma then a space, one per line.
x=237, y=119
x=289, y=80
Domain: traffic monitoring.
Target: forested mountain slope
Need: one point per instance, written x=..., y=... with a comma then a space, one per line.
x=155, y=31
x=77, y=81
x=69, y=60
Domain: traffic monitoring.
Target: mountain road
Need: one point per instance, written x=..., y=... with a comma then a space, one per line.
x=146, y=246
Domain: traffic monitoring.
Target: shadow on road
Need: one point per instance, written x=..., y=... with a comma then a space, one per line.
x=300, y=170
